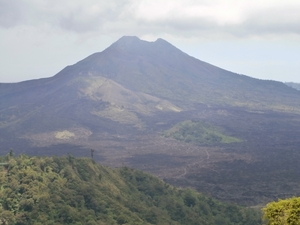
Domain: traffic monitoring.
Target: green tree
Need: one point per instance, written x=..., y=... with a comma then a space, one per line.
x=283, y=212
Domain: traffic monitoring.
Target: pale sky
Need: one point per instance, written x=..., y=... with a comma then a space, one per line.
x=258, y=38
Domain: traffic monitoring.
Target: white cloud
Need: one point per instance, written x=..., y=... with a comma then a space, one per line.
x=238, y=18
x=11, y=13
x=158, y=11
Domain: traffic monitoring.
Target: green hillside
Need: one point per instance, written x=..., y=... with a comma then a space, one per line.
x=68, y=190
x=199, y=132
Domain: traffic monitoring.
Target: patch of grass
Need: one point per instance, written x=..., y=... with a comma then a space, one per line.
x=199, y=132
x=64, y=135
x=120, y=115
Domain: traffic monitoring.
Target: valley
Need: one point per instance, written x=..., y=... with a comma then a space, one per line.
x=261, y=168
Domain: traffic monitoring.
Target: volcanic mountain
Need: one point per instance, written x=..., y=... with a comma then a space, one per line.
x=124, y=101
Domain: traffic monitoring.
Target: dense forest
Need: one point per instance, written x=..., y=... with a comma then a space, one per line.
x=69, y=190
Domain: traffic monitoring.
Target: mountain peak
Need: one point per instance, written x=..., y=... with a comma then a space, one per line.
x=160, y=40
x=132, y=41
x=135, y=45
x=128, y=39
x=135, y=39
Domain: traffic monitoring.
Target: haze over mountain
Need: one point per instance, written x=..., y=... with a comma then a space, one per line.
x=121, y=100
x=293, y=85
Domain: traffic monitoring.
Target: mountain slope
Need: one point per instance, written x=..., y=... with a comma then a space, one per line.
x=62, y=101
x=160, y=69
x=68, y=190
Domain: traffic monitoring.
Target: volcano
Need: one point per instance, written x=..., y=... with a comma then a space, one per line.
x=136, y=102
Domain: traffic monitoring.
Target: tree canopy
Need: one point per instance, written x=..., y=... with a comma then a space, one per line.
x=283, y=212
x=69, y=190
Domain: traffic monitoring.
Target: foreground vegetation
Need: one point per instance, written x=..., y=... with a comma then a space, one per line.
x=68, y=190
x=283, y=212
x=199, y=132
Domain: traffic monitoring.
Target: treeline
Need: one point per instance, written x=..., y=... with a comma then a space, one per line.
x=68, y=190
